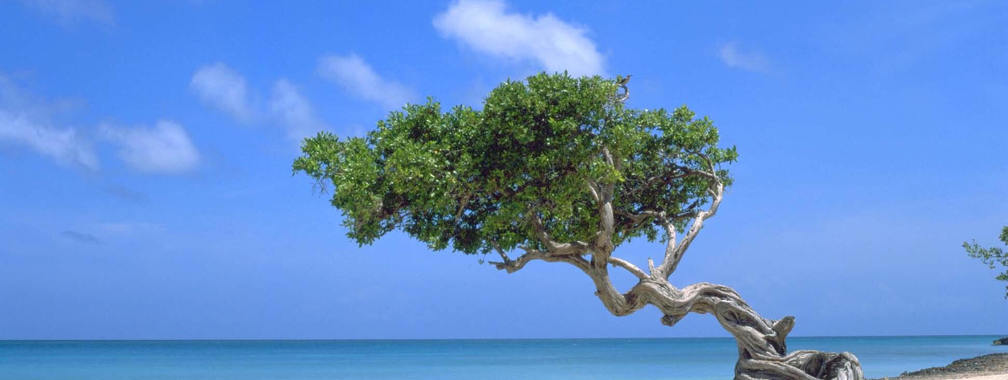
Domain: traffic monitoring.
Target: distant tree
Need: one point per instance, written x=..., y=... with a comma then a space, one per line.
x=557, y=169
x=993, y=256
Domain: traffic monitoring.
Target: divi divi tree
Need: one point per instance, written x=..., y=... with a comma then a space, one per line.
x=558, y=169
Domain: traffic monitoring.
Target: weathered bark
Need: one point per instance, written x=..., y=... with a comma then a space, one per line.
x=761, y=342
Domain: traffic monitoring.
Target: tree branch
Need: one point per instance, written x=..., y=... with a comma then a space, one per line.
x=633, y=269
x=673, y=256
x=640, y=216
x=553, y=247
x=593, y=190
x=555, y=252
x=513, y=265
x=673, y=252
x=603, y=246
x=669, y=251
x=462, y=206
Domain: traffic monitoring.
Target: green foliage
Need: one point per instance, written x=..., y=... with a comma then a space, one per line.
x=469, y=179
x=992, y=256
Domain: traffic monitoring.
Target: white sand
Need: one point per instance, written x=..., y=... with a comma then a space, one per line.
x=988, y=377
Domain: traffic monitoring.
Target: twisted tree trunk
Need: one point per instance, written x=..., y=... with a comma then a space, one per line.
x=761, y=342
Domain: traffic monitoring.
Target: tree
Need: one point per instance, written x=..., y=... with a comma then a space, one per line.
x=992, y=256
x=557, y=169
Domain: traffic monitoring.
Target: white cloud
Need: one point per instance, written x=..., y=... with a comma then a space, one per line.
x=63, y=144
x=24, y=121
x=293, y=111
x=73, y=10
x=164, y=148
x=221, y=87
x=487, y=27
x=359, y=78
x=750, y=61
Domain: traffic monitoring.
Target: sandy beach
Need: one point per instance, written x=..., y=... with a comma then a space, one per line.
x=986, y=367
x=984, y=377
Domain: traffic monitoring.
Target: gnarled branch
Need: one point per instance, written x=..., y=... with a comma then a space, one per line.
x=673, y=252
x=633, y=269
x=672, y=258
x=553, y=247
x=513, y=265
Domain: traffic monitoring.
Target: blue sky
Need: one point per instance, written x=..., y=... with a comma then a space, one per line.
x=146, y=192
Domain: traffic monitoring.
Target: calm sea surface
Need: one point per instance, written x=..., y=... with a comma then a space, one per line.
x=682, y=358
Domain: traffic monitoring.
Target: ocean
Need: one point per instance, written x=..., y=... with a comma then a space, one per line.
x=674, y=358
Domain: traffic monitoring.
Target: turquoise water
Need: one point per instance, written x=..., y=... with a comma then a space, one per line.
x=682, y=358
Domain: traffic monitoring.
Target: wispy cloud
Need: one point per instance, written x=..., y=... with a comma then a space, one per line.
x=488, y=27
x=164, y=148
x=63, y=144
x=222, y=87
x=80, y=237
x=746, y=60
x=357, y=77
x=294, y=111
x=25, y=121
x=69, y=11
x=225, y=89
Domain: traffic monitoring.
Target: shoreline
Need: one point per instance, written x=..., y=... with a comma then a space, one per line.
x=984, y=367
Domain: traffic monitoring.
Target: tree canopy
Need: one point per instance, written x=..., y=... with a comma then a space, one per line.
x=992, y=256
x=559, y=168
x=537, y=158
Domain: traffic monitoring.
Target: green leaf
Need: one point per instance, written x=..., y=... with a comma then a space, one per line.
x=467, y=179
